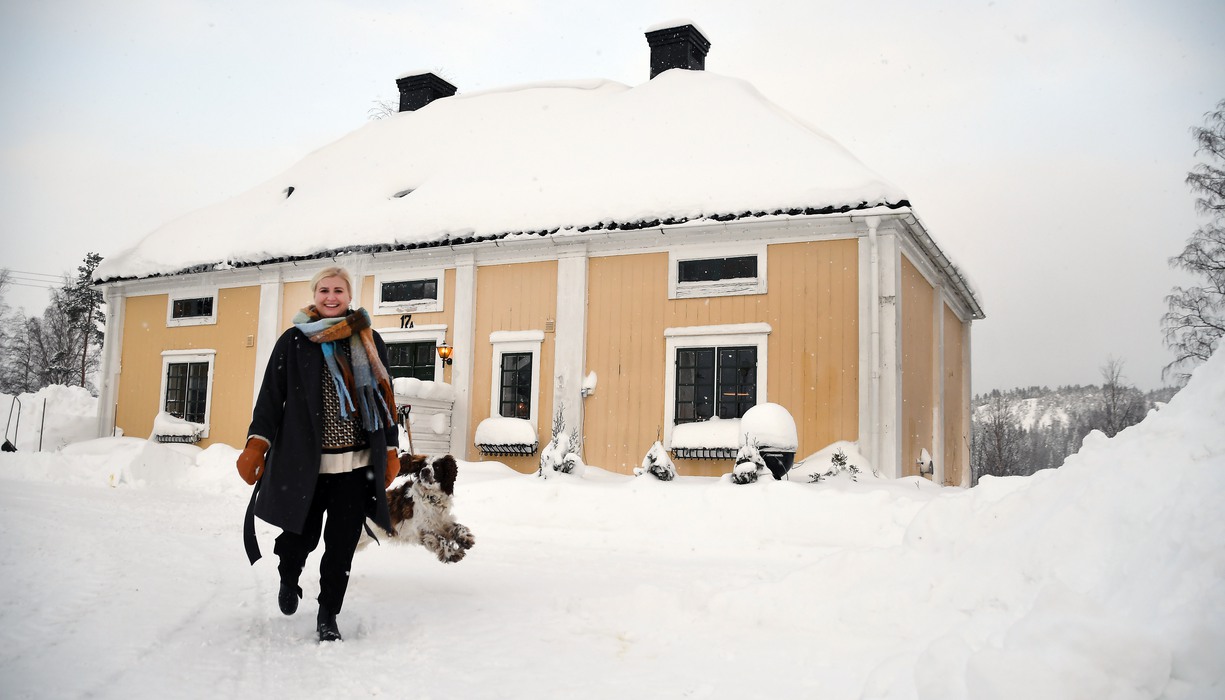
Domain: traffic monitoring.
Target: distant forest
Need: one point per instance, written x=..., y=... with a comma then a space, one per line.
x=1018, y=432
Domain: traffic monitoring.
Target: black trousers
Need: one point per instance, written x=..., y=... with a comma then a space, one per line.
x=343, y=497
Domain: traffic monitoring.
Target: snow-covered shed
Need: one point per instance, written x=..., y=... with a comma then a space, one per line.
x=624, y=260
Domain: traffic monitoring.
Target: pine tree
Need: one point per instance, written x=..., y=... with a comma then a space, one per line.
x=1196, y=319
x=83, y=306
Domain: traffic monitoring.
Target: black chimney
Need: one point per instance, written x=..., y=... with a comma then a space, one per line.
x=677, y=47
x=417, y=91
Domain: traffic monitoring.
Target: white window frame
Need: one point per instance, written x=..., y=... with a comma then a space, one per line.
x=170, y=357
x=511, y=342
x=408, y=307
x=419, y=334
x=717, y=288
x=740, y=334
x=172, y=322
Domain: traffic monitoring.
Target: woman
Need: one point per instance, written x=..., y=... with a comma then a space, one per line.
x=324, y=419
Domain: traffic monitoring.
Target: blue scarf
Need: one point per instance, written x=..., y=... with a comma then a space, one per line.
x=358, y=388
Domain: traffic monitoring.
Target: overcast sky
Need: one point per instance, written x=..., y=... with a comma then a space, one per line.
x=1044, y=143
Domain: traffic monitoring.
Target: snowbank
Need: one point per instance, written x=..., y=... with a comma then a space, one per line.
x=50, y=418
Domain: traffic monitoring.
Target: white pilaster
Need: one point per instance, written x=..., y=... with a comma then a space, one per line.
x=268, y=328
x=570, y=338
x=888, y=458
x=464, y=341
x=112, y=345
x=869, y=372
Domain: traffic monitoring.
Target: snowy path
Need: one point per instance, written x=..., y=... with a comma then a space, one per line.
x=144, y=592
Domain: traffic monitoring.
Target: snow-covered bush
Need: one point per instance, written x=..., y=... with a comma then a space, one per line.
x=839, y=464
x=749, y=465
x=561, y=454
x=840, y=460
x=657, y=464
x=572, y=464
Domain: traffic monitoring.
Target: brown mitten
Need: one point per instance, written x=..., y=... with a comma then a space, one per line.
x=393, y=467
x=251, y=461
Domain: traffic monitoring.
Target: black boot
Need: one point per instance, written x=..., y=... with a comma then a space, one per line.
x=288, y=597
x=328, y=632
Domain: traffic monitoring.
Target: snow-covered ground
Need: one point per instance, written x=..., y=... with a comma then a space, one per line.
x=125, y=577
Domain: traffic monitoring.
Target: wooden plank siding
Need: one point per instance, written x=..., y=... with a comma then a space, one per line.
x=811, y=305
x=956, y=437
x=918, y=380
x=627, y=312
x=146, y=336
x=513, y=297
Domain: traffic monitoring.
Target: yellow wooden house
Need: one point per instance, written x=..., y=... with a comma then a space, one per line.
x=630, y=260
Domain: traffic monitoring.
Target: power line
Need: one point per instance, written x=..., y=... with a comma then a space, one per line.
x=36, y=286
x=36, y=274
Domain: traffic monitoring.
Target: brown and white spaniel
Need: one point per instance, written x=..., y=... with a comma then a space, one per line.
x=420, y=503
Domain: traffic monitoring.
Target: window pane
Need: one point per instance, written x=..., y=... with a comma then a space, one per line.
x=412, y=360
x=739, y=268
x=516, y=385
x=410, y=290
x=694, y=384
x=187, y=390
x=737, y=381
x=192, y=308
x=197, y=392
x=714, y=269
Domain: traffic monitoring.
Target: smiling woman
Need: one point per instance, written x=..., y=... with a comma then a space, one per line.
x=324, y=461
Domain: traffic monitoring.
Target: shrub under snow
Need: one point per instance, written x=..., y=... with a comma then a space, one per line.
x=657, y=464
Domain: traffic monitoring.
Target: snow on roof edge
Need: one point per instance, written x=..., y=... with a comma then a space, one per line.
x=468, y=240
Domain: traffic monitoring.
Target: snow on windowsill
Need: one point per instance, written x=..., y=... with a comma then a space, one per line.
x=505, y=431
x=170, y=426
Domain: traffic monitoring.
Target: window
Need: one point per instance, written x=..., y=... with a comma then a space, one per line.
x=711, y=272
x=716, y=269
x=410, y=290
x=719, y=381
x=187, y=381
x=413, y=352
x=713, y=371
x=416, y=293
x=415, y=360
x=192, y=309
x=187, y=390
x=515, y=378
x=515, y=389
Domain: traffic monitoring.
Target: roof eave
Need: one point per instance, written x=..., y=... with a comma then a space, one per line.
x=449, y=241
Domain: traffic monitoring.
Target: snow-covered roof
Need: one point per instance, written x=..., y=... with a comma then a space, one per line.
x=543, y=158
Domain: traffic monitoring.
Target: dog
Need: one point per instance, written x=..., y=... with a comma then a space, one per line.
x=420, y=504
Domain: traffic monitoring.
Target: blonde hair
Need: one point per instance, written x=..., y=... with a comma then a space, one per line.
x=332, y=272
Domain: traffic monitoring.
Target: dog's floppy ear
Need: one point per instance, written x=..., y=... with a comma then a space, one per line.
x=446, y=470
x=411, y=464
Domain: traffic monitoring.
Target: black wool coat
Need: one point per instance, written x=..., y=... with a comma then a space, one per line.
x=289, y=412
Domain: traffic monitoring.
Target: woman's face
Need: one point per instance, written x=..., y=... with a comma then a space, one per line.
x=332, y=297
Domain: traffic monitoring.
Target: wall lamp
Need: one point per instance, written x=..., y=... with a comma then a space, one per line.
x=444, y=351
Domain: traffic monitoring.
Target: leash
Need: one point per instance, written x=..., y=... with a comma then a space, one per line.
x=405, y=410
